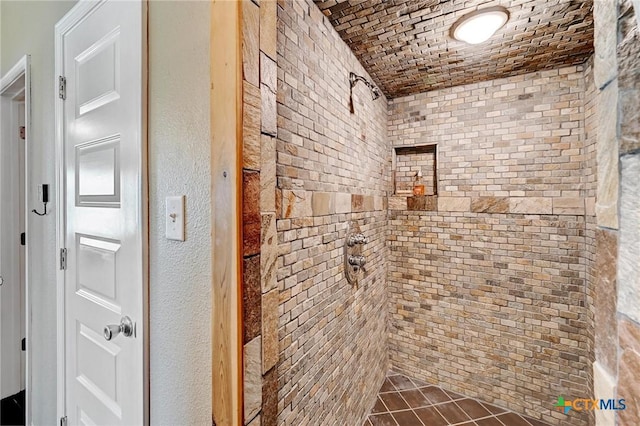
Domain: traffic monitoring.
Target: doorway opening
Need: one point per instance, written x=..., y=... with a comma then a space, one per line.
x=14, y=297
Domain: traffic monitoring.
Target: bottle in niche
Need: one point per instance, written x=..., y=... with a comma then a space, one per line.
x=418, y=186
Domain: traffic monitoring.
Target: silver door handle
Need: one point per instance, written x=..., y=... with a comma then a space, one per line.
x=125, y=327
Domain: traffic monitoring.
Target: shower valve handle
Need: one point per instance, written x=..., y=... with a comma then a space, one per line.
x=358, y=261
x=357, y=239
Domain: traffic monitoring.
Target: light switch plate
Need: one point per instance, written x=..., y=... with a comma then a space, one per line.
x=174, y=218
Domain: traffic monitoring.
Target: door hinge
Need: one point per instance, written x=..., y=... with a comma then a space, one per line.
x=63, y=259
x=22, y=132
x=62, y=88
x=63, y=421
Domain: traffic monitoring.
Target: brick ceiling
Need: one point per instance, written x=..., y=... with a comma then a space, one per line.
x=406, y=47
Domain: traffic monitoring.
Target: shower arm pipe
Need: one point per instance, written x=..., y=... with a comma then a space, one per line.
x=354, y=78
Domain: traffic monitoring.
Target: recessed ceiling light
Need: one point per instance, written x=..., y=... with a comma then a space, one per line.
x=478, y=26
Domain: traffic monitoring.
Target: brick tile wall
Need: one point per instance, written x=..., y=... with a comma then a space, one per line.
x=492, y=298
x=491, y=305
x=333, y=166
x=514, y=137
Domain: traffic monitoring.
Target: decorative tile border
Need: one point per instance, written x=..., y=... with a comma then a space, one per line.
x=299, y=203
x=259, y=129
x=573, y=206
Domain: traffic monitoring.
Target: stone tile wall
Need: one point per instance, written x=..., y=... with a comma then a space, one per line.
x=515, y=137
x=489, y=291
x=259, y=248
x=525, y=219
x=617, y=253
x=410, y=161
x=628, y=273
x=589, y=176
x=333, y=166
x=492, y=306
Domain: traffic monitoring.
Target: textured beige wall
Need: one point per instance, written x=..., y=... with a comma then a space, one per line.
x=179, y=164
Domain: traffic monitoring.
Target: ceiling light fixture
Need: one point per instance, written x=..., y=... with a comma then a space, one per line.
x=478, y=26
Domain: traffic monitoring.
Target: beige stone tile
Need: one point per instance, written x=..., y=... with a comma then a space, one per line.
x=251, y=220
x=296, y=204
x=590, y=206
x=490, y=205
x=629, y=387
x=629, y=334
x=251, y=42
x=568, y=205
x=607, y=158
x=378, y=203
x=268, y=89
x=604, y=388
x=629, y=119
x=422, y=202
x=398, y=203
x=251, y=298
x=268, y=27
x=270, y=398
x=605, y=41
x=367, y=203
x=357, y=203
x=343, y=202
x=323, y=203
x=268, y=174
x=530, y=205
x=269, y=330
x=629, y=246
x=252, y=378
x=268, y=252
x=605, y=295
x=454, y=204
x=251, y=147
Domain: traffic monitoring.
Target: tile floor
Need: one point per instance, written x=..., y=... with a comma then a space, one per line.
x=403, y=401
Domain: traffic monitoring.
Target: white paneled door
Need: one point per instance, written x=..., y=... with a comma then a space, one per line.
x=100, y=60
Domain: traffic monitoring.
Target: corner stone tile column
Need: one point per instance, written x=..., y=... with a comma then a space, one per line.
x=629, y=245
x=628, y=384
x=629, y=256
x=606, y=326
x=605, y=69
x=260, y=293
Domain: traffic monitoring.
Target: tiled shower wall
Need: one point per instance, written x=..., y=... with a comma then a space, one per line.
x=617, y=237
x=589, y=175
x=333, y=166
x=488, y=291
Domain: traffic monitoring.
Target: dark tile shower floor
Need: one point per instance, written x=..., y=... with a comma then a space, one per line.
x=403, y=401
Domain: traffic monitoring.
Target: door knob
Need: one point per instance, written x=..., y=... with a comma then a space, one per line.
x=125, y=327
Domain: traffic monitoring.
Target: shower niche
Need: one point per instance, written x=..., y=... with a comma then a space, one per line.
x=415, y=166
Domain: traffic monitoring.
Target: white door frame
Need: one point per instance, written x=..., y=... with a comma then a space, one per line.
x=78, y=13
x=20, y=69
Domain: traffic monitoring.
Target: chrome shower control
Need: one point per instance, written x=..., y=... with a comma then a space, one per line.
x=357, y=239
x=357, y=261
x=125, y=327
x=354, y=259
